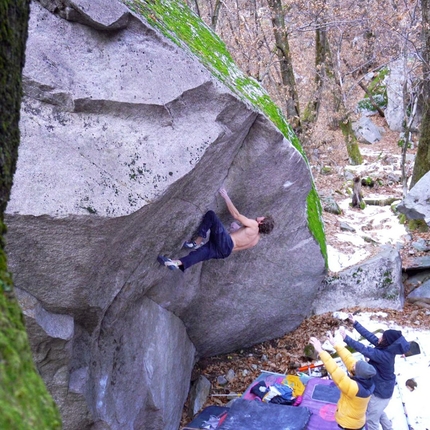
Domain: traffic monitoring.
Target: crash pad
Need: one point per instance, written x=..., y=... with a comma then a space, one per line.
x=326, y=393
x=320, y=397
x=256, y=415
x=210, y=414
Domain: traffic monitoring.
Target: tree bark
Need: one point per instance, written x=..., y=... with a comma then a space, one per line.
x=323, y=71
x=285, y=61
x=215, y=14
x=351, y=143
x=422, y=160
x=24, y=401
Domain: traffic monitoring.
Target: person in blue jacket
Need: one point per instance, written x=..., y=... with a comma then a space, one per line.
x=382, y=357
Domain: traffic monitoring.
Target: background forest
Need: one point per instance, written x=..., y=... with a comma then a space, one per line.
x=319, y=58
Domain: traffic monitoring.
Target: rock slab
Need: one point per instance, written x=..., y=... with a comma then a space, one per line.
x=376, y=283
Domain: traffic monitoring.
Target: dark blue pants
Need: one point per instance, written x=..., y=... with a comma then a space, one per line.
x=219, y=245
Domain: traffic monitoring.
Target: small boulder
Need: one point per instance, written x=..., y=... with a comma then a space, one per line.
x=416, y=203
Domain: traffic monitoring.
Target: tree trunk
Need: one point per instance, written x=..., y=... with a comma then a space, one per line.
x=322, y=57
x=422, y=160
x=350, y=141
x=323, y=68
x=215, y=14
x=284, y=56
x=194, y=6
x=368, y=50
x=406, y=140
x=342, y=117
x=24, y=401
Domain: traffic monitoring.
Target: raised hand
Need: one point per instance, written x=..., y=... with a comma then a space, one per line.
x=223, y=192
x=331, y=338
x=316, y=344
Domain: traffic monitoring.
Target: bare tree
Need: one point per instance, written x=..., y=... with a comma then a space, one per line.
x=352, y=41
x=405, y=145
x=323, y=65
x=422, y=161
x=285, y=61
x=334, y=82
x=212, y=8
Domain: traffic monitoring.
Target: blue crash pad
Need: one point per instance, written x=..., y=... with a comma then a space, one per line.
x=256, y=415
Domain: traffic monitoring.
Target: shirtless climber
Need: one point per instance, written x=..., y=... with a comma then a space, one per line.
x=221, y=243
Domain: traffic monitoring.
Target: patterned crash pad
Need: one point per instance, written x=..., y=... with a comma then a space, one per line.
x=210, y=417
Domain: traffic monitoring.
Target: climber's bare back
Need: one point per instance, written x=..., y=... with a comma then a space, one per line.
x=246, y=237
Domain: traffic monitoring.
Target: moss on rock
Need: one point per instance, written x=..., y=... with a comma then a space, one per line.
x=177, y=22
x=24, y=400
x=25, y=403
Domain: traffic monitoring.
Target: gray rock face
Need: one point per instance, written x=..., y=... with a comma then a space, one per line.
x=415, y=280
x=416, y=204
x=199, y=394
x=366, y=130
x=126, y=140
x=376, y=283
x=419, y=285
x=421, y=294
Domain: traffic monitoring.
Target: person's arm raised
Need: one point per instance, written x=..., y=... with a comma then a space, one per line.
x=247, y=222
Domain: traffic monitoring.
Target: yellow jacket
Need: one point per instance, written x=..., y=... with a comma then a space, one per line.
x=354, y=393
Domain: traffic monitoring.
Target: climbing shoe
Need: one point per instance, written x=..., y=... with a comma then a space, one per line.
x=164, y=261
x=192, y=245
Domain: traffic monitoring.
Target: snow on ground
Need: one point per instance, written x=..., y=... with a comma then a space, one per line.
x=408, y=410
x=373, y=225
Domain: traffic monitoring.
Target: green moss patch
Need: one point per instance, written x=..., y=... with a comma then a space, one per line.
x=24, y=400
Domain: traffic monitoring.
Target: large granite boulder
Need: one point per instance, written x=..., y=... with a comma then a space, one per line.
x=128, y=131
x=375, y=283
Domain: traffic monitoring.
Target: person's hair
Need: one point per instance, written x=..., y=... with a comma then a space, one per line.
x=411, y=384
x=266, y=226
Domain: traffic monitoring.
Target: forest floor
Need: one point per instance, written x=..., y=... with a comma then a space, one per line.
x=381, y=162
x=285, y=354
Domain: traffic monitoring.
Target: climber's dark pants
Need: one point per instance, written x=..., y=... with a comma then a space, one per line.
x=219, y=245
